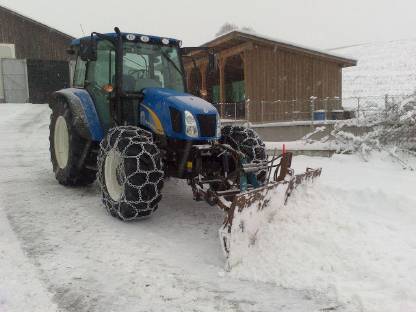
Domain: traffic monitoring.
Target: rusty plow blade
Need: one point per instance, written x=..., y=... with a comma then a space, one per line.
x=254, y=202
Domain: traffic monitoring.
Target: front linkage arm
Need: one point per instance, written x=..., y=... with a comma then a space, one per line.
x=221, y=187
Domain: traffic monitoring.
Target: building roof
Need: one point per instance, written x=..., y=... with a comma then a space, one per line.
x=29, y=19
x=236, y=37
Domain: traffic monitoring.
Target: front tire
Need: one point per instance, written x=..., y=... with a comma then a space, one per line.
x=130, y=173
x=72, y=156
x=248, y=142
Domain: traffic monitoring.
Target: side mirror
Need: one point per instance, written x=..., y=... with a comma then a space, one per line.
x=88, y=49
x=211, y=62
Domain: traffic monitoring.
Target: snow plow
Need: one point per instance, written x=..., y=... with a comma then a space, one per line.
x=130, y=123
x=249, y=192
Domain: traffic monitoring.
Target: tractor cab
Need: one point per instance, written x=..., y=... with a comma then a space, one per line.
x=116, y=68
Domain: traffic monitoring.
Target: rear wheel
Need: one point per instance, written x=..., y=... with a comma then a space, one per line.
x=247, y=141
x=73, y=157
x=130, y=173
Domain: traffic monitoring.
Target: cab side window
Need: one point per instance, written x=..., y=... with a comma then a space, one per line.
x=79, y=74
x=102, y=71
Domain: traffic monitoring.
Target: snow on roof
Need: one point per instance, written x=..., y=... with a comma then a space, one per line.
x=257, y=35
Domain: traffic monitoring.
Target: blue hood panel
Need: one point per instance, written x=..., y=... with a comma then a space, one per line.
x=179, y=100
x=159, y=100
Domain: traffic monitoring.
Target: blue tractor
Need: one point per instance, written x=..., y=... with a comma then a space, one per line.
x=129, y=121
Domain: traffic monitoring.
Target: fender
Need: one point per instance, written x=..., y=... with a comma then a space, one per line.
x=83, y=111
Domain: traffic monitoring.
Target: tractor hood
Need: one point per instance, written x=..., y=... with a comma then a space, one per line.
x=163, y=111
x=179, y=100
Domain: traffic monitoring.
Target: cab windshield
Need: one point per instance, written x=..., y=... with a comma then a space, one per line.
x=150, y=65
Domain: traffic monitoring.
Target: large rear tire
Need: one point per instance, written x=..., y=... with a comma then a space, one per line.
x=73, y=157
x=130, y=173
x=247, y=141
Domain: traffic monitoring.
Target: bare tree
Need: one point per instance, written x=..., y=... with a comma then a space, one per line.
x=247, y=29
x=395, y=126
x=225, y=28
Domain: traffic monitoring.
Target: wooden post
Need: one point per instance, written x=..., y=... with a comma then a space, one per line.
x=188, y=79
x=203, y=70
x=222, y=80
x=221, y=66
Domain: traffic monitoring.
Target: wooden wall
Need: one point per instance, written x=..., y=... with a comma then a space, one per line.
x=32, y=40
x=275, y=74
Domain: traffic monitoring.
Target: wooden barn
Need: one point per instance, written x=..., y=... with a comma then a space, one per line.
x=33, y=58
x=266, y=74
x=32, y=39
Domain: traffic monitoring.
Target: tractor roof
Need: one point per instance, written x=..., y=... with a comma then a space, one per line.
x=137, y=37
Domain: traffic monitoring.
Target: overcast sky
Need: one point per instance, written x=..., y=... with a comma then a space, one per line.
x=316, y=23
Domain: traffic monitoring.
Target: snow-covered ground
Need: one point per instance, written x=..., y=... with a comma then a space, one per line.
x=383, y=68
x=347, y=242
x=351, y=233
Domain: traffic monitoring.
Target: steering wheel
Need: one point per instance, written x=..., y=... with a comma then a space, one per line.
x=140, y=73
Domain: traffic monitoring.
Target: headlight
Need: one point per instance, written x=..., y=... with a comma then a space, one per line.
x=191, y=128
x=218, y=126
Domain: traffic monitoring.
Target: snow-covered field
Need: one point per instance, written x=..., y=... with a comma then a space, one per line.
x=383, y=68
x=346, y=243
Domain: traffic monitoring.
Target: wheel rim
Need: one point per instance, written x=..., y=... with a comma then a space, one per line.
x=61, y=142
x=112, y=175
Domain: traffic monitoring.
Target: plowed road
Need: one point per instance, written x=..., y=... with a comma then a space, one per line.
x=61, y=251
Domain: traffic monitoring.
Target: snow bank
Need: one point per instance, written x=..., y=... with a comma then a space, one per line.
x=350, y=235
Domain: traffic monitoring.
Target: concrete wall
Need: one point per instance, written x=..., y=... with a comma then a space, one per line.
x=297, y=132
x=293, y=131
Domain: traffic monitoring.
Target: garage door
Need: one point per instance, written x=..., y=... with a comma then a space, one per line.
x=14, y=74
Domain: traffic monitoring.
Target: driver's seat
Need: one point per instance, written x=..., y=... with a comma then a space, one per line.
x=129, y=83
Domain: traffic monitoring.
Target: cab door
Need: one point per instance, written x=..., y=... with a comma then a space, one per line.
x=101, y=73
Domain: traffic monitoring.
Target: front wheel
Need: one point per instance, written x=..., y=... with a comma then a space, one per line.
x=248, y=142
x=130, y=173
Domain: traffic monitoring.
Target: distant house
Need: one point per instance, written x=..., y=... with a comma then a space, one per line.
x=261, y=70
x=33, y=58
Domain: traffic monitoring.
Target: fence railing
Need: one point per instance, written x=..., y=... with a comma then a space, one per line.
x=312, y=109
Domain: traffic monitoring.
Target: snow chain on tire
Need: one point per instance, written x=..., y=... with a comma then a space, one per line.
x=139, y=172
x=247, y=141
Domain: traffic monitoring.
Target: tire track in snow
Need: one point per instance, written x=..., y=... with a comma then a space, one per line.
x=92, y=262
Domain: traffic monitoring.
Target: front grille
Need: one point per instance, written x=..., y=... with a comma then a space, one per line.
x=176, y=118
x=207, y=125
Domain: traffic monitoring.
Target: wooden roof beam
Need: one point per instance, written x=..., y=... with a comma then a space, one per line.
x=235, y=50
x=221, y=55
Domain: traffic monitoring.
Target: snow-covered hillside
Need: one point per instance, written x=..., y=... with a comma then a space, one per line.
x=383, y=68
x=347, y=243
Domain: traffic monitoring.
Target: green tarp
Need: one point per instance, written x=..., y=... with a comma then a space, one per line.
x=234, y=92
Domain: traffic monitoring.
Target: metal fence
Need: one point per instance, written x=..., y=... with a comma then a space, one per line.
x=306, y=110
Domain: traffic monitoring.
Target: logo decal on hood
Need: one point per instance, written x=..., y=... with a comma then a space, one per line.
x=154, y=121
